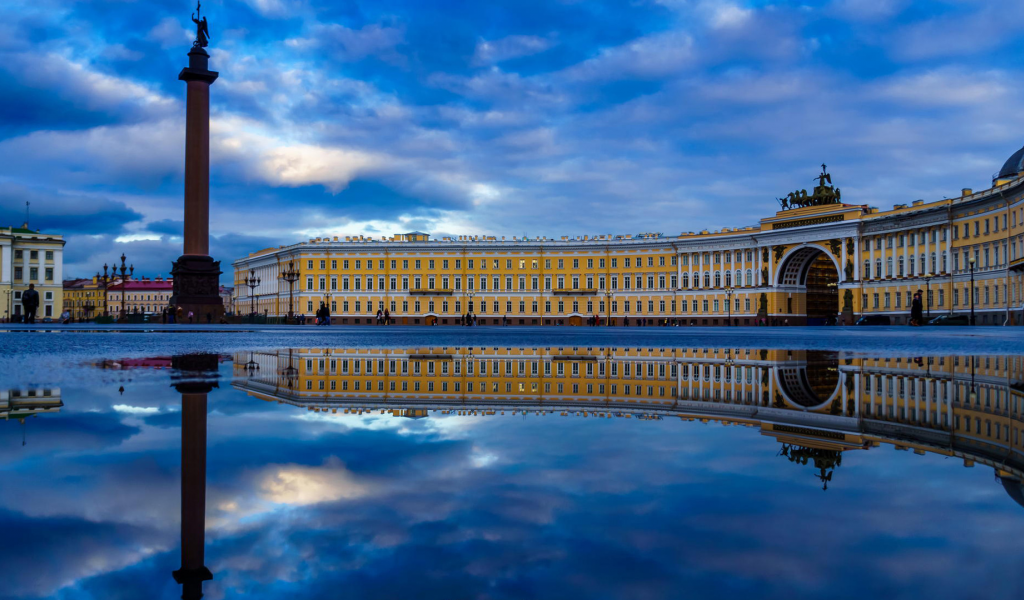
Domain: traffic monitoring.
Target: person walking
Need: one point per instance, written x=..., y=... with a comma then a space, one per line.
x=30, y=302
x=916, y=312
x=190, y=316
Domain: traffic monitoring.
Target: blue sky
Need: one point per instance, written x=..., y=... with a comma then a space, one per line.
x=504, y=117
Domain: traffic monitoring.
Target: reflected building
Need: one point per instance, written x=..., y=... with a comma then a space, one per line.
x=24, y=403
x=818, y=405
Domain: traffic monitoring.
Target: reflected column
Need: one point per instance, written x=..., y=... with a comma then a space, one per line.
x=195, y=383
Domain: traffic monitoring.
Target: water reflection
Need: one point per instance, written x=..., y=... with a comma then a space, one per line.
x=818, y=405
x=391, y=473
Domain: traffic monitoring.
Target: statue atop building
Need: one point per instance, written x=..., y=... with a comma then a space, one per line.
x=823, y=194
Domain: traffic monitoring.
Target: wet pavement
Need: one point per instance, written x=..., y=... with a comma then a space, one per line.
x=512, y=463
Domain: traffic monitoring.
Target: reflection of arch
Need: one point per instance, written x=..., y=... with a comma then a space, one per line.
x=813, y=385
x=793, y=267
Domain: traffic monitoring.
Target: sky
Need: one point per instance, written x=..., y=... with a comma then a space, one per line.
x=302, y=504
x=507, y=117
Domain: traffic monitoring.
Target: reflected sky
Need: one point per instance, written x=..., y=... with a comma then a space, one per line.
x=557, y=494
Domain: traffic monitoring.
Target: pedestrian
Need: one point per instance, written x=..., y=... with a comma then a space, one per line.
x=30, y=302
x=387, y=316
x=179, y=315
x=625, y=321
x=190, y=315
x=916, y=313
x=209, y=318
x=380, y=316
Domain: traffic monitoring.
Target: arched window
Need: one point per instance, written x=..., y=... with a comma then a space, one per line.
x=944, y=263
x=718, y=279
x=935, y=266
x=686, y=280
x=867, y=270
x=739, y=277
x=750, y=277
x=921, y=264
x=899, y=273
x=707, y=279
x=878, y=268
x=888, y=266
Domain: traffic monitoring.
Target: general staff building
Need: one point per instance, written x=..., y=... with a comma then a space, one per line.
x=819, y=260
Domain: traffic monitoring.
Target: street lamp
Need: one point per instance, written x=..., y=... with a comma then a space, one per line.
x=126, y=274
x=728, y=302
x=253, y=282
x=470, y=294
x=608, y=306
x=106, y=279
x=291, y=276
x=928, y=295
x=971, y=261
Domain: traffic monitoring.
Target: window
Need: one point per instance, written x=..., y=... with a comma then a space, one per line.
x=49, y=255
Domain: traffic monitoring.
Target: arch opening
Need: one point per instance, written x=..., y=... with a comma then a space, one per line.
x=812, y=269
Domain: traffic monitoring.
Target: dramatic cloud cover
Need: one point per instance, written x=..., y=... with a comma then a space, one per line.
x=504, y=117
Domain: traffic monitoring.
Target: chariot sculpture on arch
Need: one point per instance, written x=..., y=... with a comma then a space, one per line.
x=823, y=194
x=202, y=28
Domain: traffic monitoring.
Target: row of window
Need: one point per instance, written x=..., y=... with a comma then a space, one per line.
x=482, y=263
x=32, y=255
x=33, y=274
x=526, y=387
x=494, y=282
x=455, y=307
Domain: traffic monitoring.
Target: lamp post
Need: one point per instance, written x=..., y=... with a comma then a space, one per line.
x=728, y=302
x=106, y=279
x=253, y=282
x=927, y=295
x=971, y=261
x=470, y=294
x=126, y=274
x=608, y=306
x=291, y=276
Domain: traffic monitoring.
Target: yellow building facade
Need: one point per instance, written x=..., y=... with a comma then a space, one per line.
x=31, y=257
x=84, y=299
x=817, y=404
x=827, y=262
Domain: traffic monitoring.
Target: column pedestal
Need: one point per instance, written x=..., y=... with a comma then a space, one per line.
x=197, y=286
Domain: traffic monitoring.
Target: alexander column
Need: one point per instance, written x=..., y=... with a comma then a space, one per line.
x=196, y=274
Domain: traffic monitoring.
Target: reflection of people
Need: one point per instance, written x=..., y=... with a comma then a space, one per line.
x=30, y=301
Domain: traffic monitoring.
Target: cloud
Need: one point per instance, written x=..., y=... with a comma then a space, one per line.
x=299, y=485
x=56, y=212
x=510, y=47
x=170, y=33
